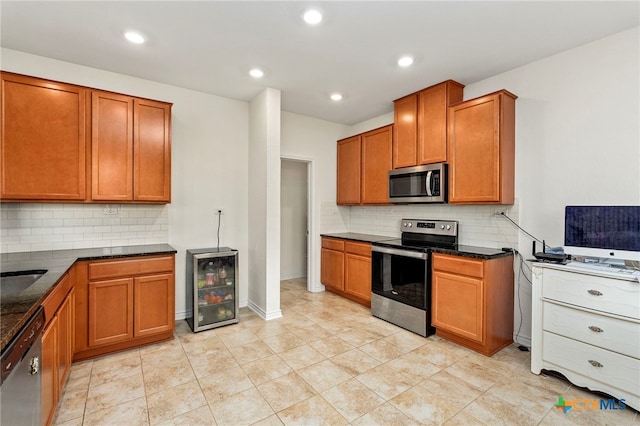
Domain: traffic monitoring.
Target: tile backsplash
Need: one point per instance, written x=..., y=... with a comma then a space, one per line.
x=478, y=225
x=48, y=226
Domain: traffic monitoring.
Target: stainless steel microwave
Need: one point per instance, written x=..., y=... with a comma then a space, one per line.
x=420, y=184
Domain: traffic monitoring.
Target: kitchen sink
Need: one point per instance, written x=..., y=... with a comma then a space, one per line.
x=17, y=281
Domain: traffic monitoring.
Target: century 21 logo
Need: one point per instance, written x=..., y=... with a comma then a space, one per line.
x=582, y=404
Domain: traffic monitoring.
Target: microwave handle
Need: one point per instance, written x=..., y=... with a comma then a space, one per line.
x=428, y=183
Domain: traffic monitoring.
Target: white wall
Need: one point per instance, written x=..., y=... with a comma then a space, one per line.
x=314, y=140
x=264, y=204
x=293, y=219
x=209, y=166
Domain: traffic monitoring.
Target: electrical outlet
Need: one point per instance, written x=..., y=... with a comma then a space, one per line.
x=109, y=210
x=218, y=211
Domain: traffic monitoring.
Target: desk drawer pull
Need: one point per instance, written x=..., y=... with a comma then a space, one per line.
x=596, y=329
x=594, y=292
x=595, y=363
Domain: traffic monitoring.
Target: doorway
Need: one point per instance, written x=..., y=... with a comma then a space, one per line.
x=295, y=220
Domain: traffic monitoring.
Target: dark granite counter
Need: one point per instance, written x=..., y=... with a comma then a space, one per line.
x=17, y=308
x=364, y=238
x=461, y=250
x=474, y=251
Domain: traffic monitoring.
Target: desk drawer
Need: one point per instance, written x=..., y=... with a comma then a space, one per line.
x=605, y=332
x=602, y=294
x=598, y=364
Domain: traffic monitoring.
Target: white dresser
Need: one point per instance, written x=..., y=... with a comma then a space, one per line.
x=586, y=325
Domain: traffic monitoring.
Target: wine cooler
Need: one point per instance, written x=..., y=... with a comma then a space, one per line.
x=212, y=287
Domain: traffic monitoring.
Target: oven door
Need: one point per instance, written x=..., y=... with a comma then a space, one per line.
x=401, y=275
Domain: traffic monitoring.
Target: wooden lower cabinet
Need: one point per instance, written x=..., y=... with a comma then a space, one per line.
x=124, y=303
x=332, y=264
x=49, y=377
x=57, y=348
x=472, y=301
x=346, y=269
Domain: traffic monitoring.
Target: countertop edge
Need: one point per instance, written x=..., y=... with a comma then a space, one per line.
x=52, y=277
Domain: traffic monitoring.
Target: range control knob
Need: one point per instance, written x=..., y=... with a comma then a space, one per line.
x=409, y=225
x=441, y=226
x=448, y=227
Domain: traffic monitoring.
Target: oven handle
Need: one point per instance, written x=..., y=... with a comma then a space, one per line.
x=399, y=252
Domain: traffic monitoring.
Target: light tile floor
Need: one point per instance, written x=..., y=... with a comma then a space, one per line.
x=326, y=362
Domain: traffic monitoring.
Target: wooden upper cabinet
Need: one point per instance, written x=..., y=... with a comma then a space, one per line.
x=405, y=131
x=111, y=147
x=482, y=150
x=433, y=106
x=42, y=140
x=376, y=163
x=131, y=149
x=420, y=128
x=348, y=171
x=152, y=151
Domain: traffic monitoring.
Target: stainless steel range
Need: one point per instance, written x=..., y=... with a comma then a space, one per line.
x=401, y=273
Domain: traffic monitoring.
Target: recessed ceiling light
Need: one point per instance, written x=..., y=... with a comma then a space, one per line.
x=405, y=61
x=336, y=97
x=312, y=17
x=134, y=37
x=256, y=73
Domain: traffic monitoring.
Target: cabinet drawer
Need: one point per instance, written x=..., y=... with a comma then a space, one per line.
x=458, y=265
x=605, y=332
x=362, y=249
x=130, y=267
x=57, y=295
x=333, y=244
x=602, y=294
x=611, y=368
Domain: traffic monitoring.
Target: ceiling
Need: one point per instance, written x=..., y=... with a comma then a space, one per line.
x=210, y=46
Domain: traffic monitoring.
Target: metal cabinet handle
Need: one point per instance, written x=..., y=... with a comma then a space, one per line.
x=594, y=292
x=596, y=329
x=34, y=366
x=595, y=363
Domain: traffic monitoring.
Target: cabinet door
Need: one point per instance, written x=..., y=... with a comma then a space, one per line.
x=152, y=151
x=42, y=140
x=405, y=131
x=357, y=275
x=458, y=305
x=433, y=104
x=332, y=269
x=111, y=147
x=66, y=332
x=110, y=311
x=48, y=368
x=348, y=171
x=481, y=142
x=154, y=304
x=376, y=163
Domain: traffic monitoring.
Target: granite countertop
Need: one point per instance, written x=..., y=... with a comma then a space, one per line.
x=17, y=308
x=365, y=238
x=474, y=251
x=461, y=250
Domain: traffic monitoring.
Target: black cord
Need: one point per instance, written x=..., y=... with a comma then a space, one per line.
x=219, y=219
x=519, y=227
x=520, y=272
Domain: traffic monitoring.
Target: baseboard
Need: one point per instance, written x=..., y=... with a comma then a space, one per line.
x=293, y=276
x=264, y=315
x=522, y=340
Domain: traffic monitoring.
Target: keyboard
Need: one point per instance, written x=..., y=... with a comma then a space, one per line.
x=605, y=267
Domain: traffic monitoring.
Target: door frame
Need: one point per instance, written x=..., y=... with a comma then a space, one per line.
x=311, y=237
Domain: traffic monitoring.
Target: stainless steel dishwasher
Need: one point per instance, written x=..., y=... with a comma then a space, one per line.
x=20, y=392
